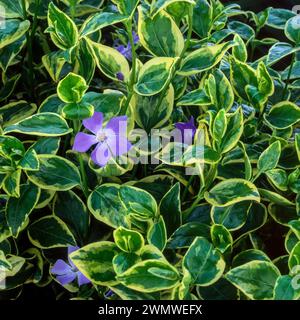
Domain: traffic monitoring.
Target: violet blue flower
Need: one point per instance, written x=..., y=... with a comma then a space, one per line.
x=126, y=51
x=110, y=141
x=187, y=130
x=68, y=272
x=120, y=76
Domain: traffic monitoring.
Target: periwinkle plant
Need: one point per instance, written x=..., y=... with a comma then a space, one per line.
x=86, y=86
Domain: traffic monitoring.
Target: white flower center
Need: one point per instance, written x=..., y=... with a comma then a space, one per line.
x=101, y=136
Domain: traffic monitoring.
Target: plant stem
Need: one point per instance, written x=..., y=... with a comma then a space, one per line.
x=85, y=188
x=289, y=76
x=132, y=80
x=84, y=184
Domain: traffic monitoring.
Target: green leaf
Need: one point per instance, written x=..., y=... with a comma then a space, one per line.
x=95, y=262
x=105, y=205
x=234, y=131
x=13, y=8
x=294, y=259
x=159, y=5
x=244, y=30
x=150, y=276
x=5, y=265
x=72, y=88
x=50, y=232
x=140, y=204
x=279, y=51
x=78, y=111
x=284, y=289
x=186, y=234
x=126, y=7
x=101, y=20
x=16, y=111
x=219, y=125
x=9, y=52
x=9, y=86
x=195, y=98
x=14, y=30
x=170, y=209
x=128, y=240
x=268, y=160
x=204, y=58
x=248, y=256
x=220, y=91
x=221, y=238
x=30, y=161
x=11, y=147
x=240, y=51
x=55, y=173
x=85, y=63
x=203, y=263
x=278, y=17
x=11, y=183
x=18, y=209
x=157, y=234
x=148, y=114
x=202, y=18
x=46, y=145
x=232, y=217
x=124, y=260
x=242, y=75
x=256, y=279
x=110, y=61
x=41, y=124
x=154, y=76
x=71, y=209
x=279, y=178
x=160, y=35
x=54, y=63
x=232, y=191
x=283, y=115
x=62, y=29
x=200, y=154
x=292, y=30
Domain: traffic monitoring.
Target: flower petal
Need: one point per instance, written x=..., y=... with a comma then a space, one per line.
x=118, y=125
x=84, y=141
x=101, y=154
x=94, y=124
x=70, y=250
x=61, y=267
x=82, y=279
x=66, y=278
x=118, y=145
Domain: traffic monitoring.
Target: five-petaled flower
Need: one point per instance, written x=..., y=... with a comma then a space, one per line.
x=68, y=272
x=110, y=141
x=126, y=51
x=187, y=130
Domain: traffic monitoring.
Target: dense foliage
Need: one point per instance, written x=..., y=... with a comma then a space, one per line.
x=79, y=222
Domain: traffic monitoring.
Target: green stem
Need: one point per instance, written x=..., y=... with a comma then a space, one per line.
x=132, y=80
x=84, y=180
x=289, y=76
x=85, y=188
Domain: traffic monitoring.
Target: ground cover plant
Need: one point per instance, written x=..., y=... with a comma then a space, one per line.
x=98, y=202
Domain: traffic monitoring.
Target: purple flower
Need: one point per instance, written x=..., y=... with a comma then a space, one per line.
x=120, y=76
x=110, y=141
x=67, y=272
x=187, y=130
x=126, y=51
